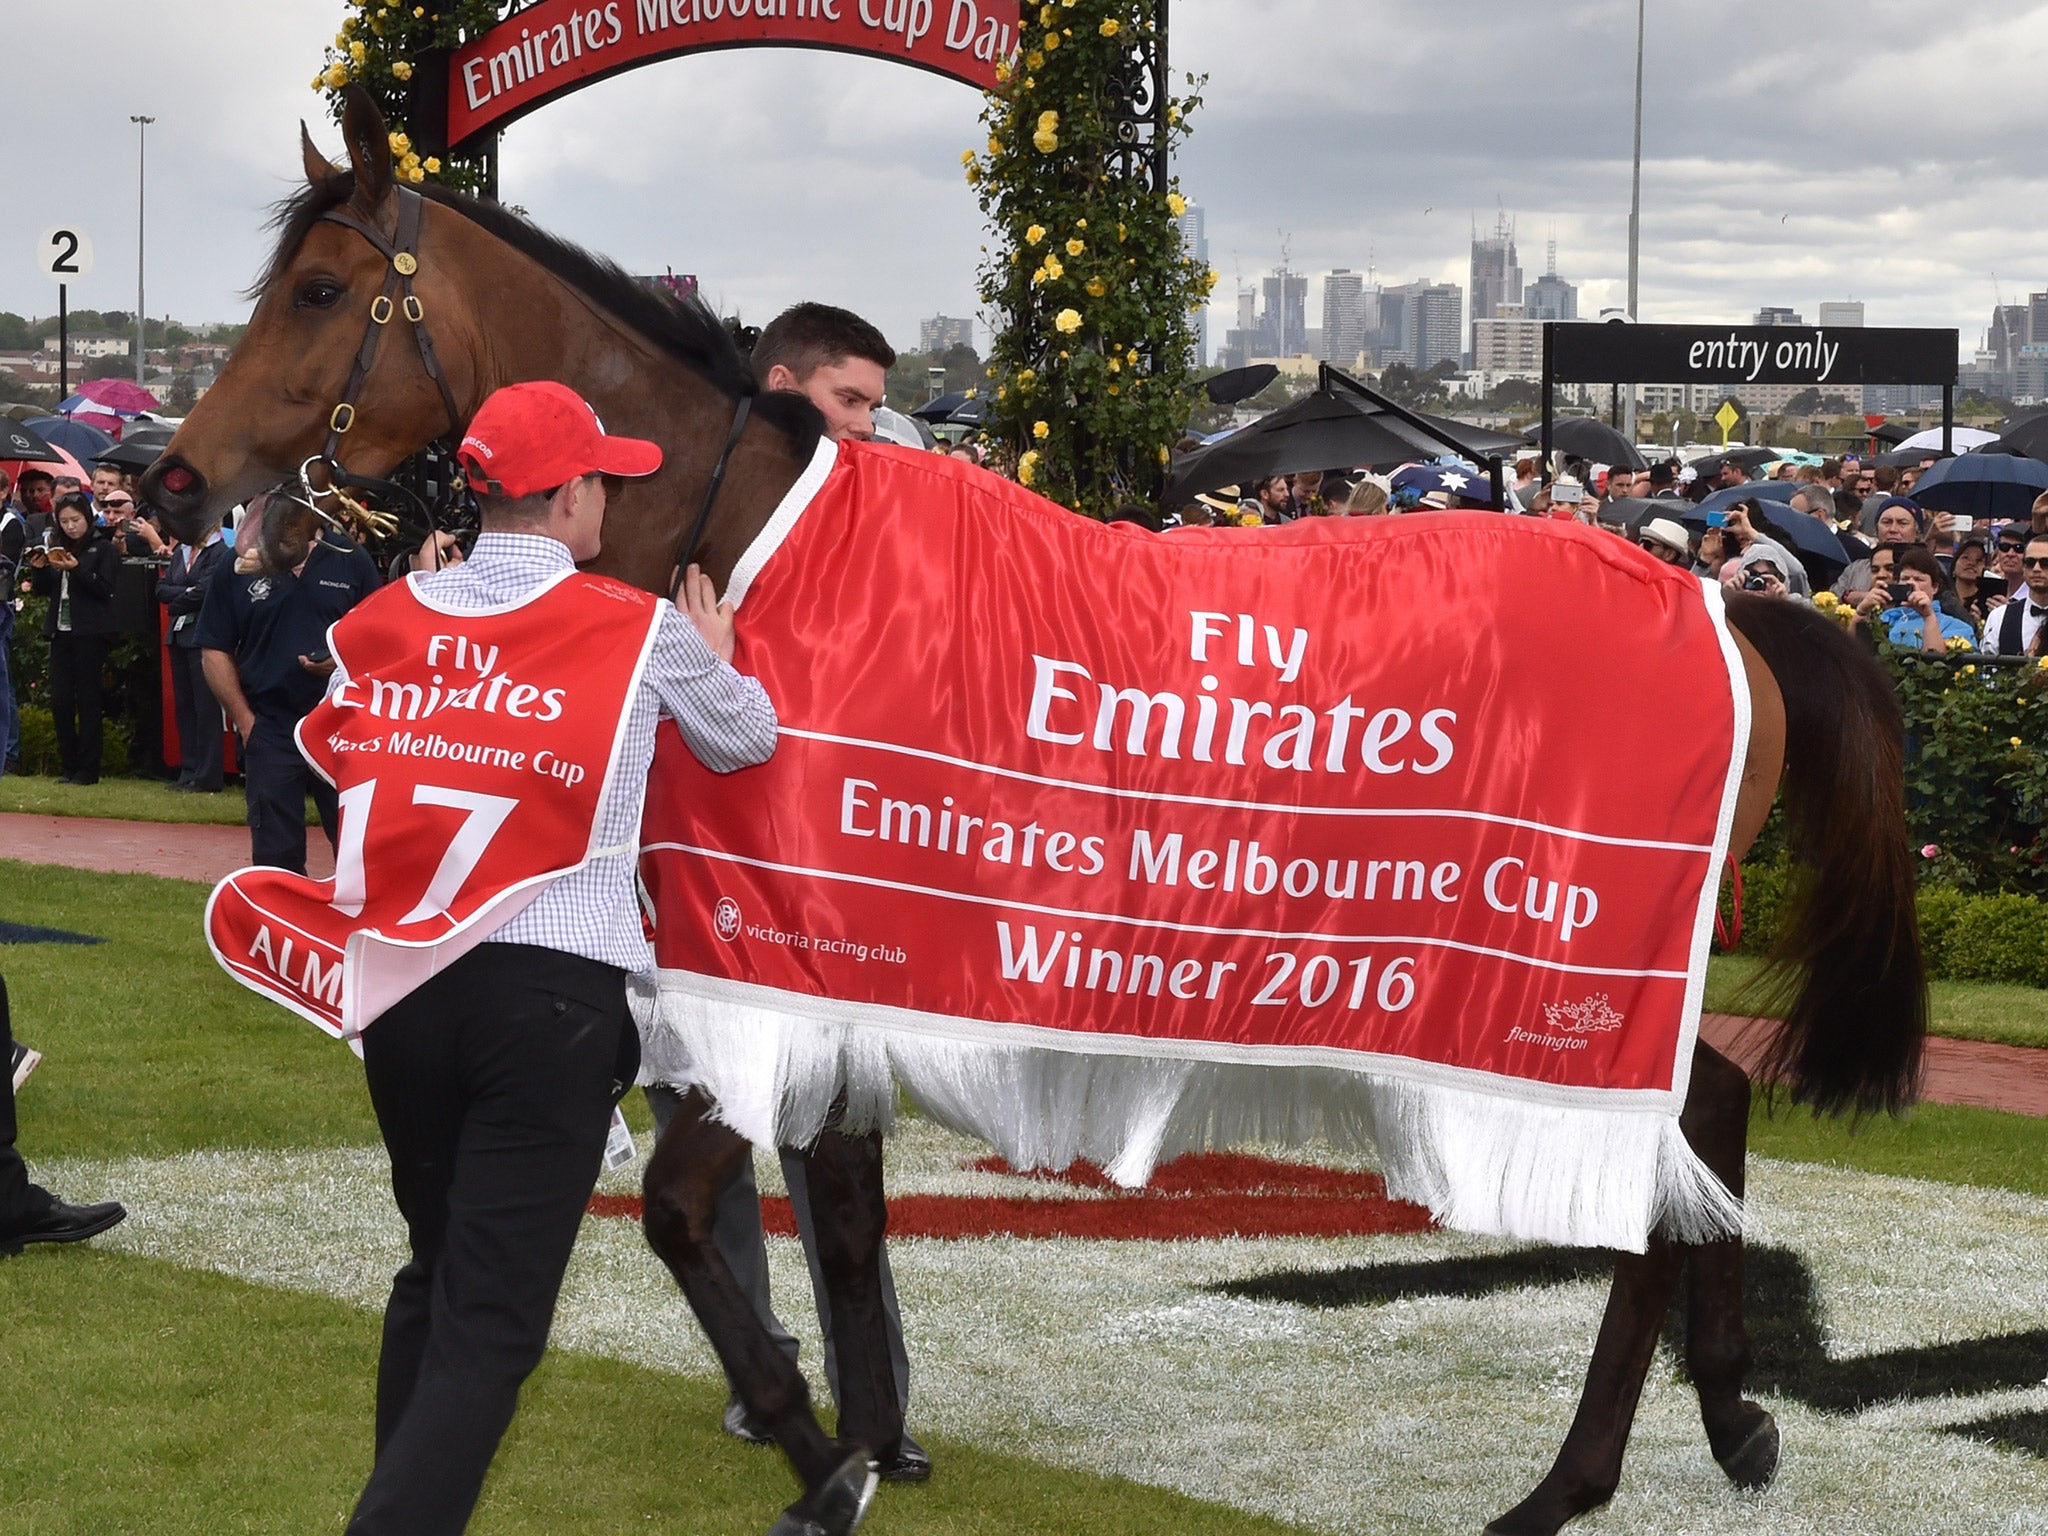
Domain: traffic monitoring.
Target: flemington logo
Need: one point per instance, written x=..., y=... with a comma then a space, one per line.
x=726, y=917
x=1569, y=1024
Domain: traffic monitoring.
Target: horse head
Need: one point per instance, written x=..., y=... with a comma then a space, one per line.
x=285, y=393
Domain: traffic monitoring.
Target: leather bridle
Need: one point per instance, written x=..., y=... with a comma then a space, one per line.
x=401, y=253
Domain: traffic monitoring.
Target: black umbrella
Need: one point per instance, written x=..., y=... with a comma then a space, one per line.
x=1634, y=511
x=20, y=442
x=1326, y=429
x=1982, y=485
x=941, y=409
x=1892, y=431
x=2023, y=437
x=132, y=455
x=1239, y=383
x=1905, y=458
x=1591, y=439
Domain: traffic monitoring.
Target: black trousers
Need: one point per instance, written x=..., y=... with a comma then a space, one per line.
x=77, y=663
x=200, y=724
x=278, y=780
x=20, y=1201
x=493, y=1085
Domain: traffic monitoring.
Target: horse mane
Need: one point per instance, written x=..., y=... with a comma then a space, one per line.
x=686, y=329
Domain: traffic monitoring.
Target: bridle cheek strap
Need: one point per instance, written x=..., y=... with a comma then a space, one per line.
x=732, y=439
x=401, y=252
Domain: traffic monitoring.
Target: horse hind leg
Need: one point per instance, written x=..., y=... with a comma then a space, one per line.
x=690, y=1164
x=1742, y=1435
x=843, y=1174
x=1588, y=1465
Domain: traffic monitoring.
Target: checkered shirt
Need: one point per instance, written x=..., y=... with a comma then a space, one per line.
x=726, y=720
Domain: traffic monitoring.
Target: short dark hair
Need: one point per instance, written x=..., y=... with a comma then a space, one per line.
x=807, y=337
x=2032, y=540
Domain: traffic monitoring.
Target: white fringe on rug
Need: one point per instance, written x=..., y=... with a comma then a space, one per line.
x=1482, y=1162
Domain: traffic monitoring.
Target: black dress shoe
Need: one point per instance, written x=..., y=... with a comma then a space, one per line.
x=741, y=1425
x=912, y=1463
x=838, y=1504
x=63, y=1223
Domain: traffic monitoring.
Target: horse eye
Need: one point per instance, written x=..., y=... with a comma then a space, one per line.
x=320, y=293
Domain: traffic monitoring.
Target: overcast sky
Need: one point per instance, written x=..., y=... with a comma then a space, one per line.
x=1883, y=150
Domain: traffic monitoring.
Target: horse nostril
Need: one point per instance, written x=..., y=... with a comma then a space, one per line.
x=178, y=479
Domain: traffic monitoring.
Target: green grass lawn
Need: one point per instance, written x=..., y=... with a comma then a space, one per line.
x=145, y=1397
x=1962, y=1010
x=123, y=799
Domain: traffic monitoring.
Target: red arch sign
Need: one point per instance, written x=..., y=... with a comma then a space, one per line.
x=557, y=46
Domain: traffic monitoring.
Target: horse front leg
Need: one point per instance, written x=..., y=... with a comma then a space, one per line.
x=849, y=1216
x=1588, y=1466
x=691, y=1162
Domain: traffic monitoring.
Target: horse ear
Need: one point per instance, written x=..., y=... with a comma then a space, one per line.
x=319, y=169
x=369, y=148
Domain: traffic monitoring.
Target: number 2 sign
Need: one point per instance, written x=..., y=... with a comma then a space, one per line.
x=64, y=253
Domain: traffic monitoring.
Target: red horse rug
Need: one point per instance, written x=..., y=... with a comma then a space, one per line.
x=1401, y=833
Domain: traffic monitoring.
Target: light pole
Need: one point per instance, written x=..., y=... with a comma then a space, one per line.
x=1635, y=214
x=141, y=143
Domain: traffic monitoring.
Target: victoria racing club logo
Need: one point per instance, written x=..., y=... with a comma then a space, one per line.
x=725, y=917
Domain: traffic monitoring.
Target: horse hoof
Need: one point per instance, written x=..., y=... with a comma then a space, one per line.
x=835, y=1508
x=1752, y=1464
x=1547, y=1511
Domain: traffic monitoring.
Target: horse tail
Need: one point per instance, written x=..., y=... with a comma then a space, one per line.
x=1846, y=959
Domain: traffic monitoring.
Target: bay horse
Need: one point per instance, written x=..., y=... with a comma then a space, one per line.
x=504, y=302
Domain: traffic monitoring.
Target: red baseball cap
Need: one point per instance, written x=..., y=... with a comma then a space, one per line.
x=528, y=438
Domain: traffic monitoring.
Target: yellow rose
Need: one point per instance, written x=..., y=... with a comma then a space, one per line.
x=1029, y=377
x=1172, y=115
x=1052, y=41
x=2016, y=741
x=1053, y=266
x=400, y=144
x=401, y=70
x=433, y=165
x=1002, y=74
x=1045, y=143
x=967, y=157
x=1067, y=321
x=995, y=145
x=1041, y=430
x=1133, y=357
x=1002, y=392
x=1164, y=456
x=1046, y=16
x=1120, y=234
x=419, y=11
x=336, y=76
x=1176, y=204
x=356, y=51
x=1034, y=234
x=1032, y=60
x=973, y=174
x=1110, y=28
x=1076, y=247
x=1080, y=223
x=1115, y=366
x=1114, y=390
x=1027, y=467
x=341, y=38
x=1097, y=288
x=1048, y=122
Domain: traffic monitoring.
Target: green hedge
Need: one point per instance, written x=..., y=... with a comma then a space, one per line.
x=1964, y=936
x=1976, y=770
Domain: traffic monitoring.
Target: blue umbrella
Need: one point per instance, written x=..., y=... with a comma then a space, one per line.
x=84, y=443
x=1978, y=485
x=1464, y=481
x=1754, y=490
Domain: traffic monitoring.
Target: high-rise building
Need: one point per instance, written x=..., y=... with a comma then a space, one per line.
x=942, y=333
x=1285, y=312
x=1345, y=321
x=1773, y=314
x=2037, y=319
x=1550, y=297
x=1431, y=317
x=2007, y=333
x=1847, y=313
x=1496, y=269
x=1194, y=239
x=1508, y=347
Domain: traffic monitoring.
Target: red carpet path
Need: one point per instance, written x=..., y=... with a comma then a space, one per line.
x=2006, y=1077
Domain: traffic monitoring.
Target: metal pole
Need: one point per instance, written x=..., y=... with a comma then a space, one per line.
x=141, y=168
x=63, y=343
x=1635, y=214
x=1948, y=418
x=1549, y=399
